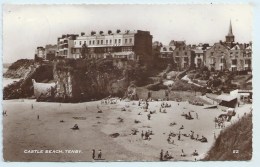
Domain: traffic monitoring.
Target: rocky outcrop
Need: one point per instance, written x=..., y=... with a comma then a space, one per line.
x=78, y=80
x=24, y=87
x=85, y=80
x=19, y=69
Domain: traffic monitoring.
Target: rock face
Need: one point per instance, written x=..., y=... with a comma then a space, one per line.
x=84, y=80
x=77, y=80
x=24, y=87
x=19, y=69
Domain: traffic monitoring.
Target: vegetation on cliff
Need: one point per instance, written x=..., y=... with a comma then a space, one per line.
x=19, y=69
x=234, y=143
x=24, y=87
x=84, y=80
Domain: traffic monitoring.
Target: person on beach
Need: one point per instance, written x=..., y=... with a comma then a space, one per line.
x=99, y=154
x=32, y=106
x=142, y=134
x=149, y=94
x=169, y=139
x=147, y=104
x=166, y=95
x=167, y=155
x=197, y=116
x=161, y=155
x=182, y=153
x=192, y=134
x=195, y=153
x=149, y=116
x=93, y=154
x=38, y=117
x=75, y=127
x=182, y=127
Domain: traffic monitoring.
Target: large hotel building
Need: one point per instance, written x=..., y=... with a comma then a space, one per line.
x=129, y=44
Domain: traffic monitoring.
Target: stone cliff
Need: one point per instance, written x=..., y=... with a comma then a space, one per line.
x=19, y=69
x=79, y=80
x=85, y=80
x=24, y=87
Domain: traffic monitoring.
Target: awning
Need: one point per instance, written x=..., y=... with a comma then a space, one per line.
x=244, y=94
x=226, y=97
x=123, y=53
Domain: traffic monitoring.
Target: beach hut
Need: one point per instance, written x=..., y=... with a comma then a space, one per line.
x=227, y=100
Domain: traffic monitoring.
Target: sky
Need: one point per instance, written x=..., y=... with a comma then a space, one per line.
x=27, y=26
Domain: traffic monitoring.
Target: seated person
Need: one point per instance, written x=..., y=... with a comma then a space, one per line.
x=75, y=127
x=195, y=153
x=204, y=139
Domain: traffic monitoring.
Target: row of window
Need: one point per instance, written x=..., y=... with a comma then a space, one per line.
x=104, y=49
x=177, y=53
x=107, y=42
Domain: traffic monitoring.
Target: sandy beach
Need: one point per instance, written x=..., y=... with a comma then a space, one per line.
x=22, y=131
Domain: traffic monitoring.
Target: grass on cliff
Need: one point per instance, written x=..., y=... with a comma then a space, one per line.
x=234, y=143
x=21, y=63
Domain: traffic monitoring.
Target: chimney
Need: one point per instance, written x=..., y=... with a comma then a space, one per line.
x=101, y=32
x=82, y=33
x=109, y=32
x=118, y=31
x=93, y=33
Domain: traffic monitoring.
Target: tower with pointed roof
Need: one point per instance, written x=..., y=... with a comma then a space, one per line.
x=230, y=38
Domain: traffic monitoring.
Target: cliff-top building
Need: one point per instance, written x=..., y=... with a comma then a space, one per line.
x=40, y=53
x=128, y=44
x=46, y=53
x=65, y=44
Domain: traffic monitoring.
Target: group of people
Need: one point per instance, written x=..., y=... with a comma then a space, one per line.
x=94, y=154
x=110, y=100
x=195, y=102
x=170, y=140
x=165, y=105
x=220, y=122
x=146, y=135
x=166, y=156
x=162, y=111
x=203, y=139
x=189, y=116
